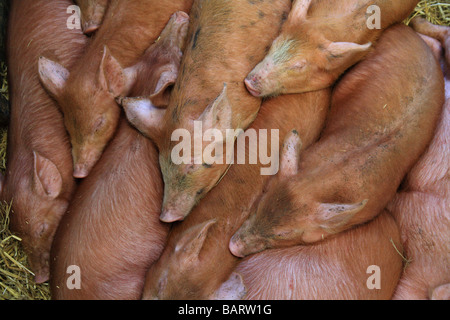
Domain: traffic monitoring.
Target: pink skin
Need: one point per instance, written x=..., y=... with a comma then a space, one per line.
x=421, y=206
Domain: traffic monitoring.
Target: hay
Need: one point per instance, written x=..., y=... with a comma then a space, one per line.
x=435, y=11
x=16, y=280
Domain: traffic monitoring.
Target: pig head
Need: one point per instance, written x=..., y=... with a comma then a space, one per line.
x=319, y=41
x=39, y=200
x=301, y=58
x=185, y=263
x=310, y=64
x=281, y=206
x=187, y=178
x=90, y=134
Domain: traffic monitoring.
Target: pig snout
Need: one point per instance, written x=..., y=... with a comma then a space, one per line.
x=237, y=247
x=242, y=247
x=181, y=17
x=39, y=263
x=244, y=242
x=177, y=205
x=176, y=210
x=253, y=83
x=90, y=27
x=171, y=215
x=84, y=161
x=260, y=77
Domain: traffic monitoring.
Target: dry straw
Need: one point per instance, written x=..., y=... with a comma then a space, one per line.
x=16, y=280
x=437, y=12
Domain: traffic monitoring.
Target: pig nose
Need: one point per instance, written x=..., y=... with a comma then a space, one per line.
x=42, y=276
x=251, y=84
x=181, y=16
x=170, y=215
x=236, y=247
x=90, y=27
x=80, y=171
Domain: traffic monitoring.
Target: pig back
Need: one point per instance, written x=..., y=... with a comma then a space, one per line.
x=112, y=230
x=339, y=268
x=402, y=75
x=37, y=28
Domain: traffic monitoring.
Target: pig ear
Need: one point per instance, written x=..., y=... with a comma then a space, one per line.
x=232, y=289
x=290, y=154
x=112, y=77
x=162, y=93
x=344, y=53
x=172, y=40
x=191, y=242
x=47, y=179
x=331, y=217
x=300, y=9
x=52, y=75
x=143, y=115
x=218, y=115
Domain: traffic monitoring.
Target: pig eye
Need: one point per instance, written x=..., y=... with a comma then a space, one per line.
x=298, y=65
x=41, y=230
x=283, y=234
x=99, y=124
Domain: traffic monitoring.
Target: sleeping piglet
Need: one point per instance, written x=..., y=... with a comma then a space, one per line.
x=379, y=125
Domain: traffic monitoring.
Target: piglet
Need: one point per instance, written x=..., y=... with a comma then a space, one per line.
x=320, y=40
x=86, y=93
x=38, y=179
x=225, y=41
x=112, y=231
x=92, y=13
x=422, y=206
x=379, y=125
